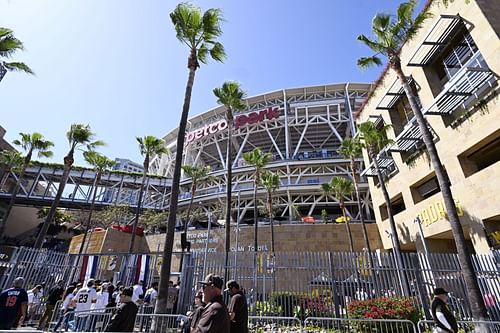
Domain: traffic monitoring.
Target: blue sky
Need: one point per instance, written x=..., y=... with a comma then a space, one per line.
x=116, y=64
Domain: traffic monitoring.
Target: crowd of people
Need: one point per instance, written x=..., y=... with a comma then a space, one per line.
x=79, y=303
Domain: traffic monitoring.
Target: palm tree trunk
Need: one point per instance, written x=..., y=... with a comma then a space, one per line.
x=89, y=219
x=347, y=226
x=12, y=200
x=193, y=192
x=477, y=305
x=229, y=190
x=68, y=163
x=161, y=302
x=255, y=212
x=392, y=225
x=271, y=220
x=360, y=208
x=4, y=175
x=137, y=213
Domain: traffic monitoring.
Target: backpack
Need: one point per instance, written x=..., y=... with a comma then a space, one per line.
x=147, y=298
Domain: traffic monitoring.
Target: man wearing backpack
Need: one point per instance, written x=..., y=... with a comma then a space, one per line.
x=151, y=295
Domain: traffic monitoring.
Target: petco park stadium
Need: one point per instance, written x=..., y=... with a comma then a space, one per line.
x=302, y=129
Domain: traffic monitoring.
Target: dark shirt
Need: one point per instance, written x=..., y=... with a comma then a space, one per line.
x=214, y=318
x=440, y=306
x=124, y=318
x=10, y=305
x=238, y=305
x=55, y=295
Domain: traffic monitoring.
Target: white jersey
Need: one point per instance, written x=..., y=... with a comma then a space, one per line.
x=102, y=301
x=137, y=293
x=84, y=298
x=67, y=301
x=151, y=296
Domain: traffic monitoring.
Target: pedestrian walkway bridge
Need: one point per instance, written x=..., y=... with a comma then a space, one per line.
x=41, y=182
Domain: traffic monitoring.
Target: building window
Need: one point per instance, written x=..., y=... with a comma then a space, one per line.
x=425, y=188
x=397, y=204
x=481, y=156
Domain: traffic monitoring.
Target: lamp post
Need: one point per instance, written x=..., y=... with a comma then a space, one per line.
x=208, y=241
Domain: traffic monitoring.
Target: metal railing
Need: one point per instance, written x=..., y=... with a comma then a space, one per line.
x=88, y=321
x=345, y=325
x=473, y=326
x=169, y=323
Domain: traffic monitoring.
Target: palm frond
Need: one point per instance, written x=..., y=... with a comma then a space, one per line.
x=5, y=32
x=9, y=45
x=217, y=52
x=18, y=66
x=203, y=53
x=366, y=62
x=376, y=47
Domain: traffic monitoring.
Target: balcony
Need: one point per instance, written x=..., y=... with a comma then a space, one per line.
x=466, y=86
x=410, y=138
x=386, y=165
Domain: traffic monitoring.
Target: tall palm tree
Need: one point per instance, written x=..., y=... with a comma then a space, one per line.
x=351, y=149
x=341, y=187
x=390, y=35
x=80, y=137
x=199, y=31
x=198, y=175
x=231, y=96
x=259, y=161
x=10, y=160
x=149, y=146
x=8, y=46
x=271, y=182
x=30, y=143
x=101, y=164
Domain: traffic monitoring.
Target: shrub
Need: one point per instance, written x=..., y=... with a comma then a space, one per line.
x=383, y=308
x=285, y=301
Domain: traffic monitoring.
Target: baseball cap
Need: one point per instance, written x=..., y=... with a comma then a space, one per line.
x=213, y=280
x=230, y=284
x=439, y=291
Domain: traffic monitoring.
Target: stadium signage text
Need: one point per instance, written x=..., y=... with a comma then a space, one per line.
x=239, y=121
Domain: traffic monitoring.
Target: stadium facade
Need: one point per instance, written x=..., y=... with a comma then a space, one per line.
x=302, y=129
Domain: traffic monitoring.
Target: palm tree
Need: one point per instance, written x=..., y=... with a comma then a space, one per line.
x=351, y=149
x=101, y=164
x=10, y=160
x=80, y=137
x=341, y=187
x=270, y=181
x=8, y=46
x=258, y=160
x=390, y=35
x=30, y=143
x=149, y=146
x=197, y=175
x=199, y=31
x=231, y=96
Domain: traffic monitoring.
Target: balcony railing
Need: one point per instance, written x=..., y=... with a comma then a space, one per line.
x=473, y=80
x=386, y=165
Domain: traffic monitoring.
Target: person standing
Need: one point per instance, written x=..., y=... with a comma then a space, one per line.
x=214, y=318
x=66, y=308
x=138, y=292
x=84, y=299
x=238, y=311
x=151, y=295
x=55, y=295
x=12, y=302
x=444, y=319
x=124, y=318
x=34, y=302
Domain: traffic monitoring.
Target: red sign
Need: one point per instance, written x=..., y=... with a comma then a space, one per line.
x=239, y=121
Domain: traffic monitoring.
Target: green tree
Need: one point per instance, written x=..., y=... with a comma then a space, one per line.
x=149, y=146
x=341, y=187
x=271, y=182
x=259, y=161
x=153, y=220
x=198, y=175
x=30, y=143
x=10, y=160
x=8, y=46
x=199, y=31
x=390, y=35
x=101, y=164
x=80, y=137
x=231, y=96
x=351, y=149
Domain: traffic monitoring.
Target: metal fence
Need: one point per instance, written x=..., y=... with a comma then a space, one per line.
x=425, y=326
x=302, y=284
x=344, y=325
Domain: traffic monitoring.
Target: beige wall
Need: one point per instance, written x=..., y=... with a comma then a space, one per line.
x=107, y=241
x=479, y=194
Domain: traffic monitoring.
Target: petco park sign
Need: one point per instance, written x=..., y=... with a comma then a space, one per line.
x=239, y=121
